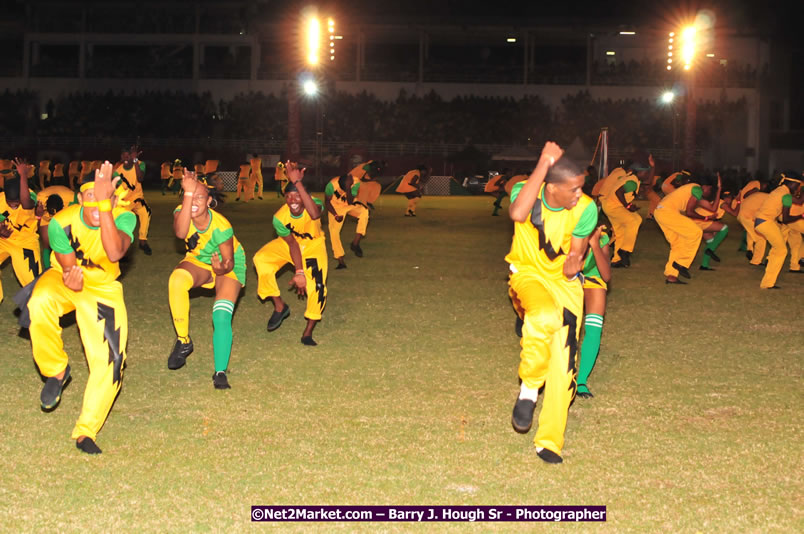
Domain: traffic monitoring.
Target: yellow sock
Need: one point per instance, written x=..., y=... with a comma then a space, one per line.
x=179, y=287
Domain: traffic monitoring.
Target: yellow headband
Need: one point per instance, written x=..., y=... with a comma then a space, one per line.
x=87, y=185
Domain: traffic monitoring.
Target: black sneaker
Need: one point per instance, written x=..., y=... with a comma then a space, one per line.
x=522, y=419
x=549, y=456
x=711, y=254
x=88, y=446
x=51, y=392
x=619, y=264
x=146, y=248
x=357, y=250
x=309, y=341
x=518, y=326
x=584, y=393
x=749, y=255
x=683, y=271
x=341, y=266
x=219, y=380
x=178, y=356
x=277, y=317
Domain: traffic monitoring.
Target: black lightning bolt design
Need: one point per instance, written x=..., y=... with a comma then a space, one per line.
x=145, y=204
x=571, y=321
x=318, y=277
x=33, y=265
x=191, y=242
x=17, y=227
x=79, y=252
x=305, y=235
x=112, y=338
x=538, y=223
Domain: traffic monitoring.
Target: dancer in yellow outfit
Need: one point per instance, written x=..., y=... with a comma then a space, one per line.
x=370, y=189
x=755, y=243
x=411, y=186
x=617, y=200
x=714, y=230
x=256, y=175
x=58, y=175
x=214, y=259
x=553, y=220
x=50, y=201
x=675, y=215
x=132, y=172
x=74, y=175
x=281, y=179
x=340, y=201
x=174, y=184
x=6, y=171
x=675, y=180
x=88, y=240
x=496, y=186
x=243, y=180
x=18, y=226
x=796, y=229
x=772, y=220
x=301, y=242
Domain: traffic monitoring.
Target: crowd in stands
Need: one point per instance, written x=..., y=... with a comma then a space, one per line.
x=361, y=118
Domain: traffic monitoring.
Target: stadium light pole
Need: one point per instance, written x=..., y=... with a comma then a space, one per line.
x=688, y=53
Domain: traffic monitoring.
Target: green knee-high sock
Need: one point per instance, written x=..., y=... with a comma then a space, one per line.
x=744, y=242
x=713, y=243
x=592, y=332
x=222, y=333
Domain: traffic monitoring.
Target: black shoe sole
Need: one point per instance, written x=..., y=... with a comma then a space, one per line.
x=518, y=426
x=64, y=381
x=549, y=456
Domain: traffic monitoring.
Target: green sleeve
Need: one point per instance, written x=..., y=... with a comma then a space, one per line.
x=787, y=201
x=142, y=166
x=2, y=217
x=515, y=190
x=33, y=197
x=59, y=242
x=355, y=189
x=630, y=186
x=697, y=192
x=126, y=222
x=221, y=236
x=319, y=202
x=329, y=190
x=588, y=221
x=281, y=229
x=604, y=239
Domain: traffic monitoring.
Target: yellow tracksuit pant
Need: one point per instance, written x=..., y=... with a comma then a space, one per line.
x=361, y=213
x=143, y=213
x=755, y=242
x=552, y=314
x=246, y=186
x=776, y=234
x=25, y=260
x=625, y=225
x=256, y=179
x=794, y=239
x=683, y=235
x=103, y=323
x=276, y=254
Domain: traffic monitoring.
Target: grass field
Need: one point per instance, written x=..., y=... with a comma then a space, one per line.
x=695, y=426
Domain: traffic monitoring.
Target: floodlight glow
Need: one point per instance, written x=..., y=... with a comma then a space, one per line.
x=627, y=33
x=510, y=40
x=669, y=67
x=686, y=67
x=610, y=52
x=672, y=34
x=668, y=96
x=313, y=40
x=310, y=88
x=710, y=55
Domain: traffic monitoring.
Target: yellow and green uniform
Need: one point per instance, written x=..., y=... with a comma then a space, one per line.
x=256, y=176
x=340, y=204
x=681, y=232
x=281, y=178
x=134, y=198
x=178, y=173
x=624, y=223
x=755, y=242
x=23, y=243
x=653, y=197
x=550, y=306
x=605, y=186
x=100, y=313
x=767, y=224
x=307, y=232
x=495, y=184
x=509, y=185
x=591, y=274
x=794, y=238
x=410, y=187
x=673, y=182
x=201, y=243
x=67, y=195
x=753, y=184
x=243, y=179
x=370, y=189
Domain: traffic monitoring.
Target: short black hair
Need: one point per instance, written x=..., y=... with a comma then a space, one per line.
x=290, y=187
x=12, y=189
x=54, y=204
x=562, y=170
x=342, y=179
